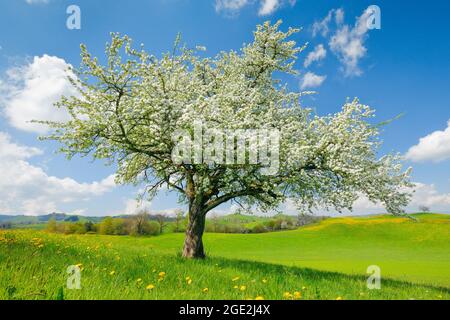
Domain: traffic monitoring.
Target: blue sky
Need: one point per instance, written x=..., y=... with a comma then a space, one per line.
x=402, y=68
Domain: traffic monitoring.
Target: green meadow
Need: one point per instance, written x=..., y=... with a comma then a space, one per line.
x=326, y=260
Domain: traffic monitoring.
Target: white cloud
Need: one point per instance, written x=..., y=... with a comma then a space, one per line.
x=266, y=7
x=230, y=5
x=322, y=27
x=37, y=1
x=348, y=44
x=133, y=206
x=30, y=91
x=428, y=195
x=422, y=195
x=318, y=54
x=28, y=189
x=339, y=15
x=434, y=147
x=311, y=80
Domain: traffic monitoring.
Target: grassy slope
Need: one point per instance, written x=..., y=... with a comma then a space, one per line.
x=405, y=250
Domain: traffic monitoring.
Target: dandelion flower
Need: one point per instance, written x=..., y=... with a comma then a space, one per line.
x=339, y=298
x=287, y=295
x=297, y=295
x=242, y=288
x=162, y=274
x=150, y=287
x=112, y=273
x=259, y=298
x=189, y=281
x=205, y=290
x=139, y=280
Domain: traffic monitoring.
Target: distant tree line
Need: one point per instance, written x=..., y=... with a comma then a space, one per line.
x=136, y=225
x=144, y=224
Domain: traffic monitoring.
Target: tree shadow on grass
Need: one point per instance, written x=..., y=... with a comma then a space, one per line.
x=307, y=274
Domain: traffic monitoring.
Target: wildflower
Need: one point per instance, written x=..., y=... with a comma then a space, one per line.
x=205, y=290
x=259, y=298
x=112, y=273
x=297, y=295
x=287, y=295
x=242, y=288
x=139, y=280
x=339, y=298
x=162, y=274
x=150, y=287
x=236, y=287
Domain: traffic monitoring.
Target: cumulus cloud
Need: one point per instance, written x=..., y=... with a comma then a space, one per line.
x=230, y=5
x=266, y=7
x=422, y=195
x=318, y=54
x=311, y=80
x=133, y=206
x=348, y=44
x=28, y=189
x=29, y=92
x=322, y=27
x=434, y=147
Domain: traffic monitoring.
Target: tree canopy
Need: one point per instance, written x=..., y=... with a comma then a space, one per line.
x=130, y=108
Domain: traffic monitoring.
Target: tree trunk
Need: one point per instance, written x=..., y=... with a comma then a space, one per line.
x=193, y=243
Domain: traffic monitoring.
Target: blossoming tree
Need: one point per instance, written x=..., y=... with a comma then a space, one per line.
x=129, y=109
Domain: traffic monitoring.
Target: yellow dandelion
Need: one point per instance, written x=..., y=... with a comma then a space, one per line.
x=236, y=287
x=339, y=298
x=112, y=273
x=139, y=280
x=297, y=295
x=287, y=295
x=242, y=288
x=259, y=298
x=162, y=274
x=205, y=290
x=150, y=287
x=189, y=281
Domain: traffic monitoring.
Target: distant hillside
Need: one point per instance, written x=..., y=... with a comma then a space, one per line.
x=60, y=217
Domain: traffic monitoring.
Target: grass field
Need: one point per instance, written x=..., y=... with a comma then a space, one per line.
x=327, y=260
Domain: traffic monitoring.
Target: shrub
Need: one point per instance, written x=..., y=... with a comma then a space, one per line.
x=107, y=226
x=259, y=228
x=51, y=225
